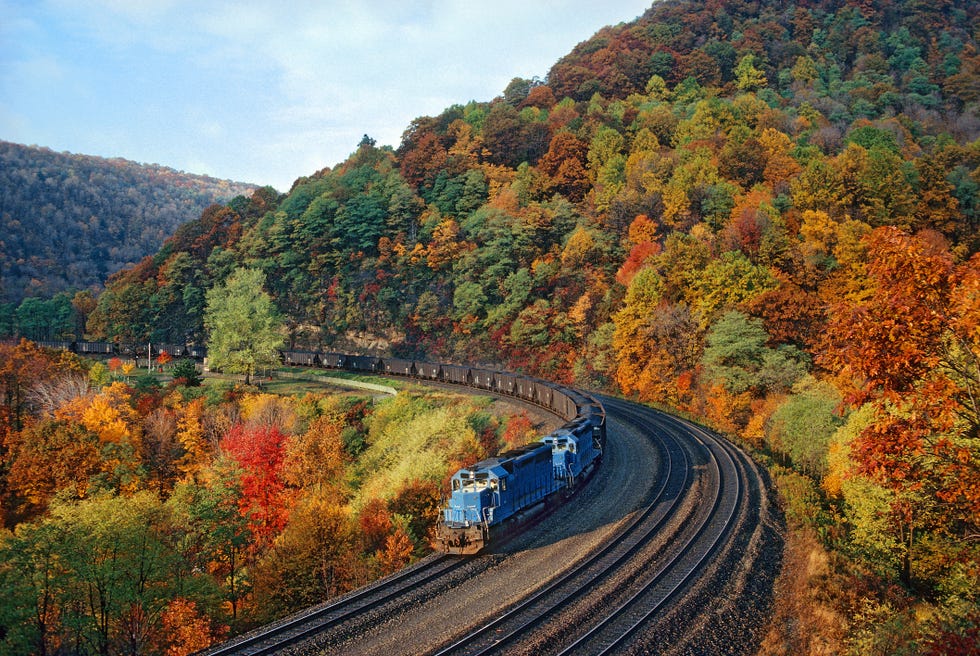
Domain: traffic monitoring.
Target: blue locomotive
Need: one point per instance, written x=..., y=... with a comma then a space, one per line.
x=492, y=492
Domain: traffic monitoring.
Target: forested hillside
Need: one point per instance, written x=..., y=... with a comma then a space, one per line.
x=71, y=220
x=763, y=214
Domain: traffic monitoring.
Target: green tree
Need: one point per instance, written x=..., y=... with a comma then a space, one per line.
x=736, y=354
x=40, y=319
x=747, y=76
x=516, y=91
x=725, y=282
x=244, y=328
x=32, y=580
x=186, y=372
x=216, y=535
x=804, y=424
x=119, y=567
x=178, y=303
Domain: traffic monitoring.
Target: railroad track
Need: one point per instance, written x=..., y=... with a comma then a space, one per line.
x=667, y=568
x=300, y=627
x=519, y=620
x=621, y=622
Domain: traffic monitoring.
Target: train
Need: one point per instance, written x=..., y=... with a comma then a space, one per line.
x=491, y=498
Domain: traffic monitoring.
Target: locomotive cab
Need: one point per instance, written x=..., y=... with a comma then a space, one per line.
x=564, y=455
x=472, y=497
x=473, y=500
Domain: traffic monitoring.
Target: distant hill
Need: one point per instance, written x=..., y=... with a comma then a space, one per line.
x=69, y=221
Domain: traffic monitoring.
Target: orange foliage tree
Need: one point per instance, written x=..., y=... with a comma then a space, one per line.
x=397, y=551
x=186, y=630
x=912, y=350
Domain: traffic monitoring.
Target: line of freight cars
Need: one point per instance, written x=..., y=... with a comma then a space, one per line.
x=496, y=495
x=130, y=350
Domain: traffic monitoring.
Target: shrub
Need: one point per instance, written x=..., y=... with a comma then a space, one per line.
x=185, y=373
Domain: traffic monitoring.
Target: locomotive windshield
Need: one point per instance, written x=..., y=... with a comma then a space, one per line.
x=474, y=482
x=563, y=444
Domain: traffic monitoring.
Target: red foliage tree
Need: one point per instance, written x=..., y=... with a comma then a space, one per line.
x=260, y=452
x=790, y=315
x=540, y=96
x=518, y=431
x=376, y=526
x=638, y=256
x=895, y=337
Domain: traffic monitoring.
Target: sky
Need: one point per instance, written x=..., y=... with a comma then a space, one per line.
x=265, y=91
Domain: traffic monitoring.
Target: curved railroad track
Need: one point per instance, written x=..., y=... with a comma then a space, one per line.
x=520, y=621
x=671, y=548
x=296, y=628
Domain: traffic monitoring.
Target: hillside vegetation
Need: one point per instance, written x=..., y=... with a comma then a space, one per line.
x=71, y=220
x=763, y=214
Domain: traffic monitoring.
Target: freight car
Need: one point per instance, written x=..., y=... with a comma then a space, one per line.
x=131, y=350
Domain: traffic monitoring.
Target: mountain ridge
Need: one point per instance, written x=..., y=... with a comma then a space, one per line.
x=56, y=208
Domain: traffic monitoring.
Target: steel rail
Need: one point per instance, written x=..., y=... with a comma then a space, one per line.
x=668, y=582
x=304, y=625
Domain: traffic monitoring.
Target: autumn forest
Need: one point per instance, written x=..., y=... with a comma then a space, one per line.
x=763, y=216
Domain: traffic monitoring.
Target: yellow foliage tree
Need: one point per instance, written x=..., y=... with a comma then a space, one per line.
x=110, y=416
x=819, y=233
x=780, y=165
x=315, y=460
x=446, y=245
x=190, y=435
x=676, y=204
x=629, y=339
x=579, y=249
x=268, y=410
